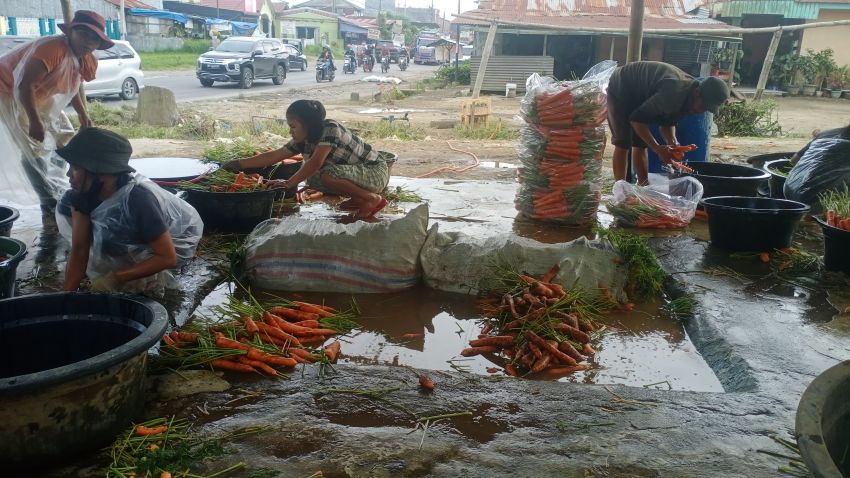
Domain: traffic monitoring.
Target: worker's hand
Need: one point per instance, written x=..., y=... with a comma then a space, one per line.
x=233, y=166
x=665, y=153
x=276, y=184
x=104, y=283
x=36, y=131
x=85, y=122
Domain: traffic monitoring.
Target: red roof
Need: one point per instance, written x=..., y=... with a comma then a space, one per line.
x=660, y=14
x=364, y=22
x=131, y=4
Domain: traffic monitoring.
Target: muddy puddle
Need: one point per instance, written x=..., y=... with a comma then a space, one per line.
x=426, y=329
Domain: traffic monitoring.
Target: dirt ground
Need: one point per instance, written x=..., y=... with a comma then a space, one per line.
x=441, y=147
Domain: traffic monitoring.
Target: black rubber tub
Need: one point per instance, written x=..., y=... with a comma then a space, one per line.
x=823, y=421
x=12, y=252
x=738, y=224
x=232, y=212
x=836, y=248
x=778, y=170
x=8, y=216
x=720, y=179
x=758, y=161
x=72, y=369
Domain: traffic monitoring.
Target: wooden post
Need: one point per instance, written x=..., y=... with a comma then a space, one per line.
x=123, y=20
x=735, y=47
x=613, y=42
x=68, y=16
x=545, y=43
x=485, y=58
x=768, y=62
x=635, y=32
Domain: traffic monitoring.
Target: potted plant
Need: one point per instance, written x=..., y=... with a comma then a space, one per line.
x=836, y=81
x=785, y=70
x=809, y=72
x=823, y=64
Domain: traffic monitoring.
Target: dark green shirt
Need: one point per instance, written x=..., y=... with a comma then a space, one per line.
x=653, y=92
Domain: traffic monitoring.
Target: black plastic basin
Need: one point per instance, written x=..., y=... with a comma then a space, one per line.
x=720, y=179
x=778, y=170
x=232, y=212
x=14, y=252
x=8, y=215
x=823, y=421
x=836, y=248
x=72, y=369
x=752, y=224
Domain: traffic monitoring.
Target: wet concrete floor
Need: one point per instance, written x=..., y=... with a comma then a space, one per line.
x=764, y=338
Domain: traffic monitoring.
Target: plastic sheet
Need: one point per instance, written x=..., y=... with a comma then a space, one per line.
x=113, y=236
x=646, y=207
x=30, y=170
x=825, y=166
x=561, y=147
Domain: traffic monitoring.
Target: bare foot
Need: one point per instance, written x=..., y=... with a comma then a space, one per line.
x=372, y=207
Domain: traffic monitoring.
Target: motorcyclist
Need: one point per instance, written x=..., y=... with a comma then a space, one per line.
x=370, y=53
x=349, y=52
x=328, y=56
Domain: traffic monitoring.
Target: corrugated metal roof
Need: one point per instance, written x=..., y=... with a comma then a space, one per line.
x=294, y=11
x=131, y=4
x=662, y=14
x=807, y=10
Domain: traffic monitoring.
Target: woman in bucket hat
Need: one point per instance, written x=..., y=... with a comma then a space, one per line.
x=38, y=80
x=126, y=232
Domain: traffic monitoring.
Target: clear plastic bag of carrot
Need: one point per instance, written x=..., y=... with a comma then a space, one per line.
x=246, y=336
x=645, y=207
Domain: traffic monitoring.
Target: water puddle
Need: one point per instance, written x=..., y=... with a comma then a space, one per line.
x=426, y=329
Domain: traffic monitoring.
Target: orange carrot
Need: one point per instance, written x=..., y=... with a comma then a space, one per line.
x=498, y=341
x=487, y=349
x=312, y=324
x=332, y=351
x=541, y=363
x=302, y=354
x=511, y=370
x=275, y=332
x=169, y=341
x=764, y=257
x=547, y=277
x=142, y=430
x=425, y=382
x=224, y=342
x=568, y=349
x=313, y=308
x=588, y=350
x=165, y=474
x=255, y=354
x=223, y=364
x=551, y=349
x=296, y=315
x=575, y=333
x=830, y=218
x=258, y=365
x=250, y=325
x=187, y=336
x=566, y=370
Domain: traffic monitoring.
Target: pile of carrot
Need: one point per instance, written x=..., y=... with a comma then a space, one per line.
x=561, y=153
x=260, y=339
x=836, y=207
x=537, y=326
x=649, y=209
x=833, y=219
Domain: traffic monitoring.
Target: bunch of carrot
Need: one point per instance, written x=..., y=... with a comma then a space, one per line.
x=225, y=181
x=649, y=211
x=537, y=325
x=566, y=104
x=836, y=204
x=561, y=153
x=251, y=338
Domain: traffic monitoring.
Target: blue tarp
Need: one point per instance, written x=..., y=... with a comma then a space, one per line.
x=144, y=12
x=345, y=27
x=238, y=28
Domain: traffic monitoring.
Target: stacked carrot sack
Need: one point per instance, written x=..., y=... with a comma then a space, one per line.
x=561, y=147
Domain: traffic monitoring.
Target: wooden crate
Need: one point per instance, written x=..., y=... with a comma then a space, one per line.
x=475, y=112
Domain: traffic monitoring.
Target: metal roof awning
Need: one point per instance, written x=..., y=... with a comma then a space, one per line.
x=345, y=27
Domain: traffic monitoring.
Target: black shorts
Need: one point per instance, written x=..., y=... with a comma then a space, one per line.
x=622, y=133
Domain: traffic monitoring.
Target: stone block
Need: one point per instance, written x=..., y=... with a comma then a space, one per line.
x=157, y=107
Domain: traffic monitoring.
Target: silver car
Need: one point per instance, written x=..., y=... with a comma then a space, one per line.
x=118, y=72
x=118, y=68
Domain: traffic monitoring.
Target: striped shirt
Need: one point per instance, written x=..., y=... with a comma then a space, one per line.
x=346, y=147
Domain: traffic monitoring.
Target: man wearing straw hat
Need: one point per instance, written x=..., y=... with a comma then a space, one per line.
x=38, y=81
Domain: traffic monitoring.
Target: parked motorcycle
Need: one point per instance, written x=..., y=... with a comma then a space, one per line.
x=350, y=65
x=368, y=63
x=385, y=63
x=402, y=63
x=324, y=72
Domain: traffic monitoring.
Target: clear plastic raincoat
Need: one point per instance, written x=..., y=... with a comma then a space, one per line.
x=29, y=169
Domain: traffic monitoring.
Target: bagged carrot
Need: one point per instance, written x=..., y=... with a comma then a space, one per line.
x=646, y=207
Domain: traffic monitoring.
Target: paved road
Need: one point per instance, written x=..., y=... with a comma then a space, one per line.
x=187, y=88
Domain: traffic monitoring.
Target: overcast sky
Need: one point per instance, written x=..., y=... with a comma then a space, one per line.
x=447, y=6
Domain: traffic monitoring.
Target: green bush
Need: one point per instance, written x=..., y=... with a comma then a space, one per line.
x=748, y=118
x=493, y=131
x=460, y=75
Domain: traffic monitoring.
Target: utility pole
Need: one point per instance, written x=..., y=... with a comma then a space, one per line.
x=217, y=11
x=457, y=53
x=123, y=20
x=635, y=32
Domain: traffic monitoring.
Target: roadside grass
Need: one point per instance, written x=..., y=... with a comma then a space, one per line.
x=182, y=59
x=493, y=131
x=192, y=125
x=389, y=129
